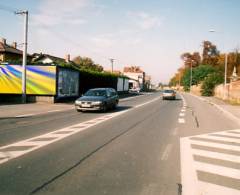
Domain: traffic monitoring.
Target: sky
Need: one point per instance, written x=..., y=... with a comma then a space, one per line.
x=151, y=34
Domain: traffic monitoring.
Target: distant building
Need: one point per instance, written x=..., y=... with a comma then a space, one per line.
x=49, y=59
x=10, y=53
x=148, y=84
x=136, y=75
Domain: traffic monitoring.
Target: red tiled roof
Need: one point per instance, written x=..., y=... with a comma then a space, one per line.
x=4, y=48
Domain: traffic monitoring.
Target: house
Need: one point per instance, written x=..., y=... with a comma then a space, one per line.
x=9, y=53
x=49, y=59
x=148, y=82
x=136, y=75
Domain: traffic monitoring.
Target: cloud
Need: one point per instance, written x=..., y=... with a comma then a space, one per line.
x=144, y=20
x=55, y=12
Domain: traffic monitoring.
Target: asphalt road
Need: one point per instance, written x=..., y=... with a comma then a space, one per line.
x=138, y=149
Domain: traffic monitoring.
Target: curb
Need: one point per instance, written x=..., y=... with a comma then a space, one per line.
x=227, y=113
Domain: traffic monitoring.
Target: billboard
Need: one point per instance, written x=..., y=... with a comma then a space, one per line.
x=120, y=84
x=68, y=83
x=40, y=80
x=126, y=84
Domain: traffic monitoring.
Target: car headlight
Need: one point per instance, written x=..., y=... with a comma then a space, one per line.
x=97, y=103
x=78, y=102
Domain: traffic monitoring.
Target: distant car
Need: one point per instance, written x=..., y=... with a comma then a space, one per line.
x=135, y=90
x=169, y=94
x=97, y=99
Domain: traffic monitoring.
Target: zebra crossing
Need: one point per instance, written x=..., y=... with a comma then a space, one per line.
x=210, y=163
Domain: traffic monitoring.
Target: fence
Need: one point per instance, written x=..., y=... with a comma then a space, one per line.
x=231, y=92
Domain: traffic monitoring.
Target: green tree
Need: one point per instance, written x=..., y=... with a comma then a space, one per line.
x=85, y=63
x=189, y=59
x=210, y=82
x=198, y=75
x=210, y=54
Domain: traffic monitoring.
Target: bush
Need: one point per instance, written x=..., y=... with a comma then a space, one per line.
x=210, y=82
x=198, y=75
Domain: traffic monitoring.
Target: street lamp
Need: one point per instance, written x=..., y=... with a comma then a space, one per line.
x=225, y=69
x=111, y=60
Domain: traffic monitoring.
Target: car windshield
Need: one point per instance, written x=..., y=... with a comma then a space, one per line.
x=96, y=93
x=168, y=91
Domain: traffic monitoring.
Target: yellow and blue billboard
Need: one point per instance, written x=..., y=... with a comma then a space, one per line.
x=40, y=80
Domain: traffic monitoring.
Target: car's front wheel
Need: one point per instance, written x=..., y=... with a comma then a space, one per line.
x=104, y=107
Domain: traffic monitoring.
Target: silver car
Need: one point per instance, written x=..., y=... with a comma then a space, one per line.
x=97, y=99
x=169, y=94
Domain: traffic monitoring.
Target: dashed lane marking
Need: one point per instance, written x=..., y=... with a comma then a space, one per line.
x=175, y=131
x=181, y=120
x=182, y=114
x=210, y=163
x=166, y=152
x=20, y=148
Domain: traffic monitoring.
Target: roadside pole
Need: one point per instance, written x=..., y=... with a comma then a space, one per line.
x=24, y=60
x=190, y=78
x=111, y=60
x=225, y=77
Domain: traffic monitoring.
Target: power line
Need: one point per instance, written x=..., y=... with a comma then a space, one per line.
x=60, y=35
x=7, y=8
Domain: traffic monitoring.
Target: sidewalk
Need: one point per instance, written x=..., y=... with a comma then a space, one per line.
x=23, y=110
x=232, y=111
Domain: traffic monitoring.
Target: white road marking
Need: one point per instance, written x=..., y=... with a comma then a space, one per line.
x=219, y=138
x=24, y=115
x=181, y=114
x=54, y=110
x=188, y=174
x=175, y=131
x=190, y=166
x=140, y=105
x=39, y=113
x=183, y=100
x=58, y=110
x=217, y=155
x=166, y=152
x=216, y=145
x=215, y=169
x=181, y=120
x=9, y=153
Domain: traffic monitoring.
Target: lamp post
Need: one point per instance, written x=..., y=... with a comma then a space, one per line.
x=111, y=60
x=191, y=76
x=225, y=70
x=24, y=62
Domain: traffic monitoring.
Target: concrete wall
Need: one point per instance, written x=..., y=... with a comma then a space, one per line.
x=196, y=89
x=232, y=92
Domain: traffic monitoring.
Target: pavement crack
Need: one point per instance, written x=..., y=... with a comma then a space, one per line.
x=196, y=120
x=179, y=188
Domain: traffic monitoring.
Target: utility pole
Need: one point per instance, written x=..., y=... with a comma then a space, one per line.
x=24, y=61
x=190, y=77
x=112, y=60
x=225, y=76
